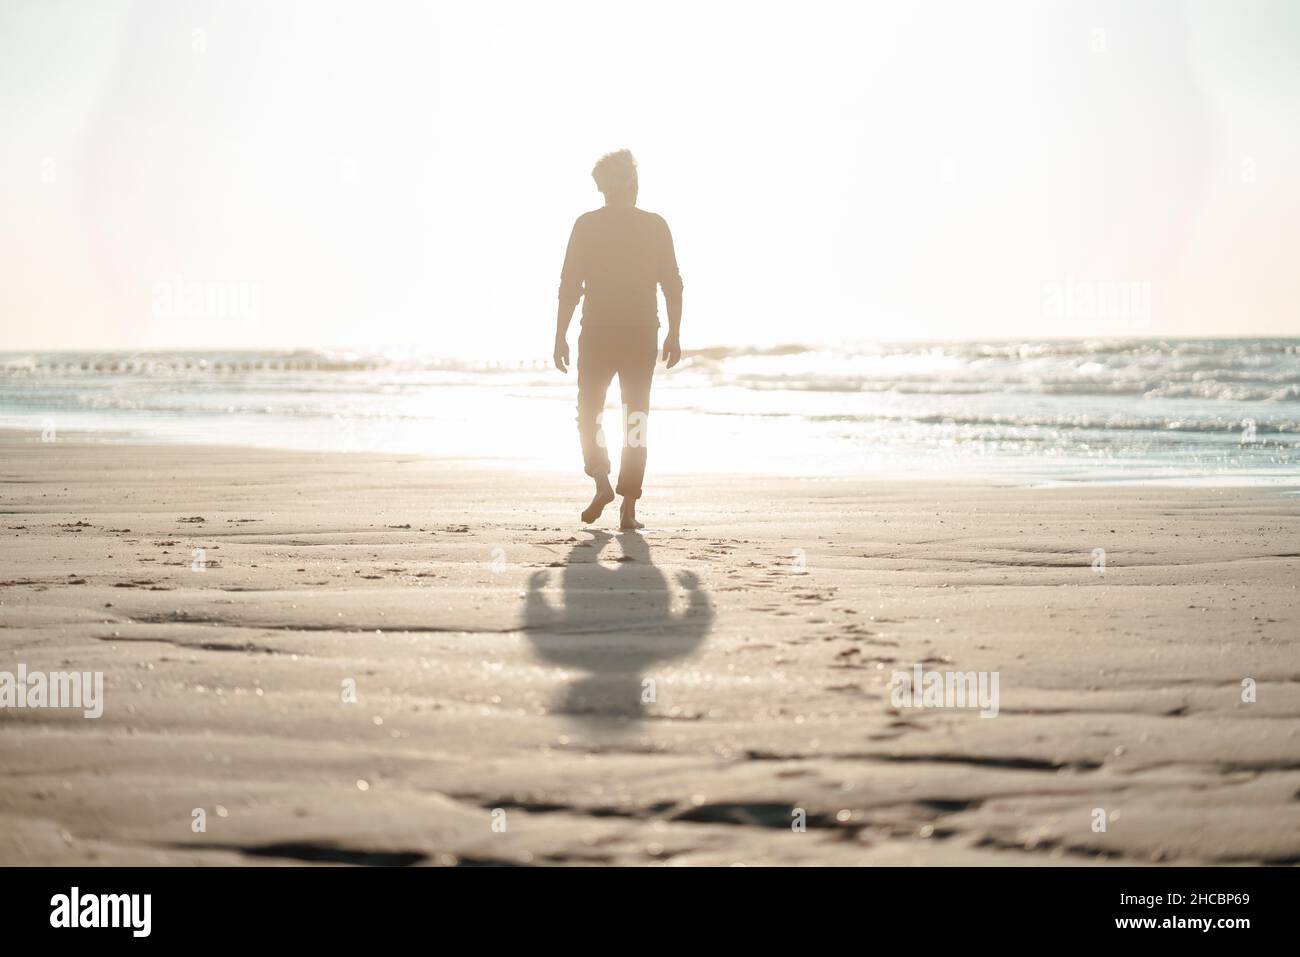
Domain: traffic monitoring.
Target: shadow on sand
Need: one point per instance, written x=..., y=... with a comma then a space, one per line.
x=616, y=622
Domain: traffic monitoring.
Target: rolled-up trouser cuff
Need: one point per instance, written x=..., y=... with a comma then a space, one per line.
x=631, y=472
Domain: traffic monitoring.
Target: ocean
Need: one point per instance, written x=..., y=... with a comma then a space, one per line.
x=1216, y=411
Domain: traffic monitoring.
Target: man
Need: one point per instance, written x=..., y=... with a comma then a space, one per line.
x=616, y=257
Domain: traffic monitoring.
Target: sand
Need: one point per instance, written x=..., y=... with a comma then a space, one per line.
x=391, y=659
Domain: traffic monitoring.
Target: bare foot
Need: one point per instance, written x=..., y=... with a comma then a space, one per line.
x=627, y=516
x=604, y=495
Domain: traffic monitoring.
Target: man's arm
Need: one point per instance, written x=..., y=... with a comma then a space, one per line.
x=670, y=280
x=570, y=293
x=563, y=316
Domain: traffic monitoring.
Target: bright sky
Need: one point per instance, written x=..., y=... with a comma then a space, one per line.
x=379, y=174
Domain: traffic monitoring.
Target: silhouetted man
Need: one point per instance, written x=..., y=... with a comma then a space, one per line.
x=616, y=257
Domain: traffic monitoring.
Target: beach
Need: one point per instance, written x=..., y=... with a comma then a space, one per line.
x=380, y=658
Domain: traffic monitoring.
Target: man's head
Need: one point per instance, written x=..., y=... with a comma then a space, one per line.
x=615, y=176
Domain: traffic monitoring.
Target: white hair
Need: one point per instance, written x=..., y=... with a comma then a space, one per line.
x=614, y=172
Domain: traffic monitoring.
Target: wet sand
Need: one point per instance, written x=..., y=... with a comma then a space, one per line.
x=390, y=659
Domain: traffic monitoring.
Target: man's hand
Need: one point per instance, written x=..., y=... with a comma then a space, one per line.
x=672, y=350
x=561, y=354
